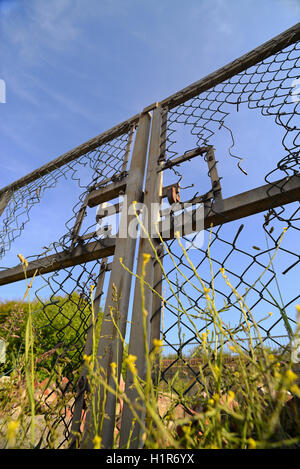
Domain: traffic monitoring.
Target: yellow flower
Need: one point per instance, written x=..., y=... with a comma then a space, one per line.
x=23, y=260
x=211, y=402
x=92, y=288
x=222, y=270
x=130, y=360
x=232, y=348
x=216, y=370
x=87, y=358
x=231, y=396
x=204, y=337
x=295, y=390
x=277, y=375
x=271, y=357
x=290, y=376
x=251, y=443
x=113, y=367
x=157, y=345
x=186, y=429
x=146, y=257
x=11, y=432
x=97, y=442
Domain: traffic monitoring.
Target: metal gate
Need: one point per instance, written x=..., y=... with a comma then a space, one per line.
x=179, y=151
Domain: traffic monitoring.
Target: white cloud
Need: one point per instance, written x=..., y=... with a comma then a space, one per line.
x=39, y=26
x=214, y=15
x=61, y=100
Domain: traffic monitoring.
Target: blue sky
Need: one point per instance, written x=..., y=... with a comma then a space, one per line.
x=75, y=68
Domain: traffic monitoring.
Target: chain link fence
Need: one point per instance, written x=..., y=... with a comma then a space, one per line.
x=205, y=133
x=67, y=268
x=244, y=247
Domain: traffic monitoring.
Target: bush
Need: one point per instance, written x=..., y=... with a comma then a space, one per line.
x=59, y=331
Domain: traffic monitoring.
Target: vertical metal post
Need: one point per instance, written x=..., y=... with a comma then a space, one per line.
x=155, y=319
x=153, y=194
x=110, y=346
x=79, y=221
x=82, y=380
x=213, y=173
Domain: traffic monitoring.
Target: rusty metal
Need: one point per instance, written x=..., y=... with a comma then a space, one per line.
x=172, y=194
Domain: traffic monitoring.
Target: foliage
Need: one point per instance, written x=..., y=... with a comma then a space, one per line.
x=59, y=329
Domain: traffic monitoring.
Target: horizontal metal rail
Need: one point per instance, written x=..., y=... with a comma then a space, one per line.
x=61, y=260
x=247, y=203
x=181, y=159
x=71, y=155
x=104, y=194
x=288, y=37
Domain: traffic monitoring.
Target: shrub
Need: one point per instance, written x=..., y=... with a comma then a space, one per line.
x=59, y=328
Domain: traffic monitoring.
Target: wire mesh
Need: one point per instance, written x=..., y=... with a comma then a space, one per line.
x=62, y=298
x=244, y=248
